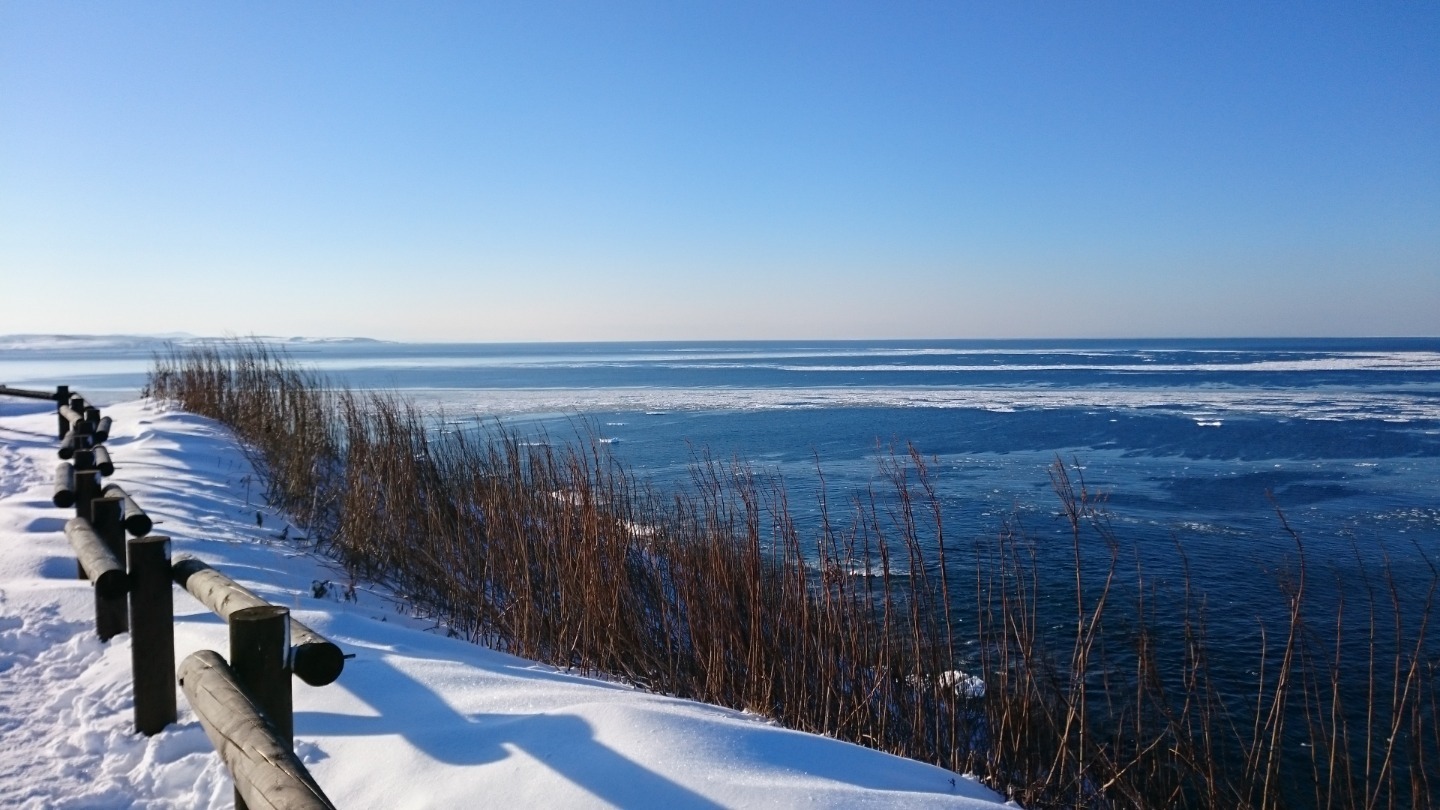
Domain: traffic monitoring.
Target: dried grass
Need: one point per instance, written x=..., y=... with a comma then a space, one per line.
x=554, y=552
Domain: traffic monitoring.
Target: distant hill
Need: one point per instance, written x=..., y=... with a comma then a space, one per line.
x=61, y=342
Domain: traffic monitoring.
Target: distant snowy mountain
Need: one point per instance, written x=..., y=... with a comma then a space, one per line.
x=20, y=343
x=149, y=342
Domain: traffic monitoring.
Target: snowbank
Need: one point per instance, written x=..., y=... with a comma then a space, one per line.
x=416, y=720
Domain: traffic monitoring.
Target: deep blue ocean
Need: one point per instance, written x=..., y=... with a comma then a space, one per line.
x=1195, y=443
x=1197, y=446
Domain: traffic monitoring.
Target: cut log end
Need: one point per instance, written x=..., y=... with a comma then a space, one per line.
x=318, y=663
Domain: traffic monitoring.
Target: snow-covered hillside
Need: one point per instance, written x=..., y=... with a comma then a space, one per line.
x=415, y=720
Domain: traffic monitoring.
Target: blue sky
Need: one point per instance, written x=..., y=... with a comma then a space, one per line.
x=573, y=171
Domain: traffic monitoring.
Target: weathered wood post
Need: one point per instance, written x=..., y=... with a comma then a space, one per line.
x=259, y=646
x=111, y=612
x=87, y=489
x=92, y=416
x=266, y=771
x=74, y=410
x=152, y=632
x=87, y=482
x=71, y=415
x=80, y=437
x=62, y=396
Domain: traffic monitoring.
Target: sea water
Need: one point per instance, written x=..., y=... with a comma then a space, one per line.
x=1221, y=459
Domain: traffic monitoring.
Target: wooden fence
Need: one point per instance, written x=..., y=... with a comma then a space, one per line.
x=244, y=705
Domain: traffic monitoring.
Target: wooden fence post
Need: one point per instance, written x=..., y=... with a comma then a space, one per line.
x=111, y=612
x=80, y=437
x=62, y=397
x=259, y=645
x=87, y=489
x=152, y=632
x=74, y=411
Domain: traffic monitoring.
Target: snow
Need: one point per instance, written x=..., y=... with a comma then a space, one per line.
x=416, y=719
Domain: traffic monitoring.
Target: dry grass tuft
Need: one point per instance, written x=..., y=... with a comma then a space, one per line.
x=554, y=552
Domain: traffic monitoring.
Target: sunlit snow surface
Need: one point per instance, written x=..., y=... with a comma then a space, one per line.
x=416, y=720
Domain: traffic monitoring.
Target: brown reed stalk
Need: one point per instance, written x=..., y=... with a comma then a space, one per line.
x=553, y=551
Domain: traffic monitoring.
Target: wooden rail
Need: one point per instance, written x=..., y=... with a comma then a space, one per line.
x=312, y=657
x=96, y=559
x=6, y=390
x=137, y=523
x=244, y=706
x=267, y=773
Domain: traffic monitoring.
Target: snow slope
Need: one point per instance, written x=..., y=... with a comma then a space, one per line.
x=416, y=720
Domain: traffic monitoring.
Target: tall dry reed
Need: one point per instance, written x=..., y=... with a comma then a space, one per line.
x=855, y=628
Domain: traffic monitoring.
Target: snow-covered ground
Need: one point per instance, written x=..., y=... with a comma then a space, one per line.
x=415, y=720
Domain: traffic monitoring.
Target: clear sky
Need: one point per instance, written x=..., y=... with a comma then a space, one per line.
x=687, y=170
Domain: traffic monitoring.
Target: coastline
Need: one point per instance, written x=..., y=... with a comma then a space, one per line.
x=416, y=719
